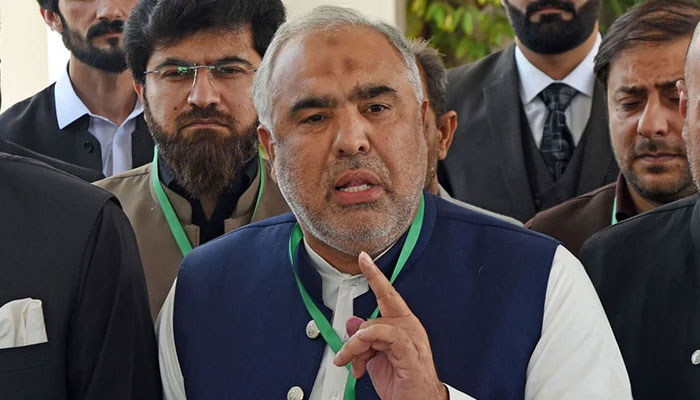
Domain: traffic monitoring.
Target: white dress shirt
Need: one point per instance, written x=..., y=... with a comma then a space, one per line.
x=576, y=357
x=533, y=81
x=115, y=141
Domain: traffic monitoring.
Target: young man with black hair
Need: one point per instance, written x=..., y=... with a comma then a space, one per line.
x=639, y=62
x=91, y=116
x=193, y=65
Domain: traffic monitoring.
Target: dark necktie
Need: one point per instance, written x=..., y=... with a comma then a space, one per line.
x=557, y=143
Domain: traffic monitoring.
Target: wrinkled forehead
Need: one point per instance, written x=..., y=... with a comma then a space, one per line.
x=334, y=63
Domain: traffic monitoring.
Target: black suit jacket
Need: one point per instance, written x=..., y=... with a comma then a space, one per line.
x=646, y=270
x=32, y=123
x=86, y=174
x=68, y=244
x=486, y=163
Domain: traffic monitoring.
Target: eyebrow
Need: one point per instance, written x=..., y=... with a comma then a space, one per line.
x=367, y=92
x=636, y=90
x=224, y=60
x=313, y=102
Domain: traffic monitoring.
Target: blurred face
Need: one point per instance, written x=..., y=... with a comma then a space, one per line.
x=690, y=110
x=92, y=30
x=552, y=26
x=205, y=131
x=348, y=148
x=645, y=124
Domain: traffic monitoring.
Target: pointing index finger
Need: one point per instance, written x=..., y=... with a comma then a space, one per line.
x=388, y=299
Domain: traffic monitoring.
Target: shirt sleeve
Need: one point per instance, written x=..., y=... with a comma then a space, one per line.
x=173, y=382
x=111, y=348
x=577, y=356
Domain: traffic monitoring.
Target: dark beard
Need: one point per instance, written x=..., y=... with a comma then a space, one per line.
x=111, y=60
x=205, y=162
x=553, y=35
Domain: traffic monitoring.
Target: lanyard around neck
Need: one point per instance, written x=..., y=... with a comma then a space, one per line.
x=171, y=217
x=614, y=212
x=325, y=327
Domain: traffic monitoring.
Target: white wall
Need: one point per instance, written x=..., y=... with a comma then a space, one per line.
x=33, y=56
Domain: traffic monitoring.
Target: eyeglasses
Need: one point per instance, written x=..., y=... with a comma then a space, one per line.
x=226, y=74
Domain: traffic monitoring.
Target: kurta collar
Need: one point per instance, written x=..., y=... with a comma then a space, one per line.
x=533, y=81
x=70, y=108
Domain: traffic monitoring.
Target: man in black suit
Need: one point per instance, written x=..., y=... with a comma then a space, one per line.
x=73, y=303
x=91, y=116
x=74, y=315
x=532, y=130
x=646, y=270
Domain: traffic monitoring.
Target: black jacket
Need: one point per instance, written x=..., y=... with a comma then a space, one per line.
x=68, y=244
x=32, y=123
x=646, y=270
x=486, y=165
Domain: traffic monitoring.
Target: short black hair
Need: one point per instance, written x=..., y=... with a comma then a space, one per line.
x=653, y=22
x=51, y=5
x=154, y=23
x=430, y=61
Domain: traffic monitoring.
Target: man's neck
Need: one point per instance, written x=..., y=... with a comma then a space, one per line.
x=558, y=66
x=641, y=204
x=108, y=95
x=341, y=261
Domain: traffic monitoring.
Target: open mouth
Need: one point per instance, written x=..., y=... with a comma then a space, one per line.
x=355, y=187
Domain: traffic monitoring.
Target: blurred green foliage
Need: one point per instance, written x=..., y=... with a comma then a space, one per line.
x=467, y=30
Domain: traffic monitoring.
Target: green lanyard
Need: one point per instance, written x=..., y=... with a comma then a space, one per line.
x=327, y=331
x=173, y=222
x=614, y=212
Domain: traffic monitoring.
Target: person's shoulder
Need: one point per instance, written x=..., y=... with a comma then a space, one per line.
x=662, y=221
x=25, y=110
x=471, y=219
x=126, y=179
x=584, y=204
x=36, y=180
x=464, y=74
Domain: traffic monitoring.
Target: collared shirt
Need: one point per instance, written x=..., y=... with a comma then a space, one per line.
x=115, y=141
x=225, y=205
x=575, y=336
x=533, y=81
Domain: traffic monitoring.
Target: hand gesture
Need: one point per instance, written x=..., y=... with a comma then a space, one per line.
x=394, y=349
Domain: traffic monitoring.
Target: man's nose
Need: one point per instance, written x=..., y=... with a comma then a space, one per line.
x=203, y=93
x=351, y=135
x=653, y=121
x=110, y=10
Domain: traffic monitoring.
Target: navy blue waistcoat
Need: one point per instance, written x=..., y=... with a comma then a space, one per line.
x=476, y=284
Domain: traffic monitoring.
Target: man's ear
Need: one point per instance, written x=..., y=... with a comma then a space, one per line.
x=267, y=146
x=52, y=19
x=683, y=97
x=447, y=128
x=424, y=112
x=139, y=89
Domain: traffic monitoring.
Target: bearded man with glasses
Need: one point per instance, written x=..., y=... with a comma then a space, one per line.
x=193, y=68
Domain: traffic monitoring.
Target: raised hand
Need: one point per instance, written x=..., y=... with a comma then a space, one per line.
x=394, y=349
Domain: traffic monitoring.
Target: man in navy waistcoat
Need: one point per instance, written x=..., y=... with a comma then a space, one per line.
x=468, y=306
